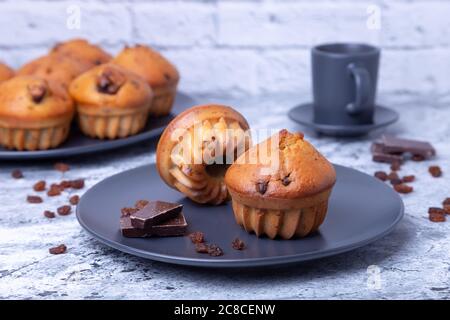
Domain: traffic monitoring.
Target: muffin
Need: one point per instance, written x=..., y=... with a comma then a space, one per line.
x=33, y=115
x=58, y=69
x=161, y=75
x=196, y=149
x=82, y=51
x=280, y=188
x=111, y=102
x=5, y=72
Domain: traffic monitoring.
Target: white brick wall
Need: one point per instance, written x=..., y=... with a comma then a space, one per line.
x=246, y=47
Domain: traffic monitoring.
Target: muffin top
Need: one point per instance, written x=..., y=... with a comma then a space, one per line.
x=110, y=86
x=30, y=99
x=149, y=64
x=285, y=166
x=5, y=72
x=83, y=51
x=53, y=67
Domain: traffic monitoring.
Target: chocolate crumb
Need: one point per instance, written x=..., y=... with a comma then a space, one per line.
x=197, y=237
x=201, y=248
x=403, y=188
x=60, y=166
x=261, y=187
x=49, y=214
x=58, y=250
x=409, y=178
x=17, y=174
x=39, y=186
x=74, y=200
x=34, y=199
x=64, y=210
x=435, y=171
x=383, y=176
x=214, y=250
x=238, y=244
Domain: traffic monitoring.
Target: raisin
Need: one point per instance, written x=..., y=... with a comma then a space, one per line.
x=77, y=184
x=392, y=176
x=383, y=176
x=65, y=184
x=17, y=174
x=197, y=237
x=436, y=217
x=39, y=186
x=34, y=199
x=55, y=190
x=395, y=166
x=403, y=188
x=201, y=248
x=238, y=244
x=49, y=214
x=214, y=250
x=435, y=171
x=396, y=181
x=60, y=166
x=64, y=210
x=436, y=210
x=58, y=249
x=261, y=187
x=409, y=178
x=74, y=200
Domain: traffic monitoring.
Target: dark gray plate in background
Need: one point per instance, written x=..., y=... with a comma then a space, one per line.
x=77, y=143
x=361, y=210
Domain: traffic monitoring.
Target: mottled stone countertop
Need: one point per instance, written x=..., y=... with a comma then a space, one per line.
x=413, y=261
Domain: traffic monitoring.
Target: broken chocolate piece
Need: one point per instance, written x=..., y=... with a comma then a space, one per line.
x=173, y=227
x=393, y=144
x=154, y=213
x=378, y=155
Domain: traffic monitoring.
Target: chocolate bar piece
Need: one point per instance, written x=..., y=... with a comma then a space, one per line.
x=154, y=213
x=393, y=144
x=173, y=227
x=379, y=155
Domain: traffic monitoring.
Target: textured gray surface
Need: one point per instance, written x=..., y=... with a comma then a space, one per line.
x=414, y=261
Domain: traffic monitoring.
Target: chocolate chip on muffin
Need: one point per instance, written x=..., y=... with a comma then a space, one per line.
x=37, y=91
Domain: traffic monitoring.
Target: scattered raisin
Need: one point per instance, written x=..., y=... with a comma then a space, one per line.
x=60, y=166
x=55, y=190
x=49, y=214
x=34, y=199
x=197, y=237
x=383, y=176
x=214, y=250
x=77, y=184
x=436, y=210
x=435, y=171
x=140, y=204
x=261, y=187
x=409, y=178
x=437, y=217
x=39, y=186
x=64, y=210
x=392, y=176
x=403, y=188
x=17, y=174
x=58, y=250
x=201, y=248
x=65, y=184
x=238, y=244
x=74, y=200
x=395, y=166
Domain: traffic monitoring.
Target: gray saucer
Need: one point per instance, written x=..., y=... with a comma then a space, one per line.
x=78, y=144
x=361, y=210
x=304, y=114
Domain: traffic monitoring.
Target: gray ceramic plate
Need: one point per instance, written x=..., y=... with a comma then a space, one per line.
x=361, y=210
x=304, y=114
x=78, y=144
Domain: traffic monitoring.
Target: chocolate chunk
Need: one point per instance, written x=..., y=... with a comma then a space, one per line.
x=64, y=210
x=261, y=186
x=49, y=214
x=238, y=244
x=58, y=250
x=110, y=81
x=403, y=188
x=409, y=178
x=214, y=250
x=201, y=248
x=154, y=213
x=173, y=227
x=435, y=171
x=393, y=144
x=285, y=181
x=74, y=200
x=60, y=166
x=37, y=92
x=34, y=199
x=197, y=237
x=383, y=176
x=17, y=174
x=39, y=186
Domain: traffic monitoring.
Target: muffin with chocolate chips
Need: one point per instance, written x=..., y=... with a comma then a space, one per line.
x=111, y=102
x=6, y=72
x=33, y=114
x=280, y=187
x=160, y=74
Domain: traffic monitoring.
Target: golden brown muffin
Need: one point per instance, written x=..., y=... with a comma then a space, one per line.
x=33, y=115
x=55, y=68
x=197, y=147
x=283, y=191
x=111, y=101
x=82, y=51
x=5, y=72
x=160, y=74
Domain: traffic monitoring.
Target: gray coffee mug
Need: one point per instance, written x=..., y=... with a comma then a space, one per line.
x=344, y=83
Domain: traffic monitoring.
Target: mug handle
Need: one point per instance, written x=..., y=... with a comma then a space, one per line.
x=363, y=89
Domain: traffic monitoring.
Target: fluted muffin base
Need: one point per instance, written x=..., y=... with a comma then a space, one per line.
x=162, y=102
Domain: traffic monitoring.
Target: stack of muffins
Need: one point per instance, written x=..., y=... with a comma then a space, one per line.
x=110, y=97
